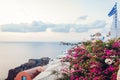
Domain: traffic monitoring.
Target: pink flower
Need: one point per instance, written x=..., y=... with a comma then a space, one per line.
x=96, y=78
x=72, y=77
x=103, y=57
x=76, y=66
x=69, y=51
x=71, y=71
x=111, y=68
x=108, y=52
x=114, y=76
x=83, y=51
x=106, y=72
x=116, y=44
x=69, y=56
x=75, y=54
x=77, y=49
x=85, y=78
x=77, y=79
x=93, y=70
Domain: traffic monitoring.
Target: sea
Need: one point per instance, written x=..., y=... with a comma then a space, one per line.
x=13, y=54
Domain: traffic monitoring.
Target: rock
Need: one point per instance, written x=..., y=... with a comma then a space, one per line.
x=30, y=64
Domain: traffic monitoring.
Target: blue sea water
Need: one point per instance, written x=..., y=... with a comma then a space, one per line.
x=13, y=54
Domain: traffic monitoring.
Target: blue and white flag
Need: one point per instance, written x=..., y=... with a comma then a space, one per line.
x=113, y=11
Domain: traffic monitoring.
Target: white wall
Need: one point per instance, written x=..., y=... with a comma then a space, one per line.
x=113, y=29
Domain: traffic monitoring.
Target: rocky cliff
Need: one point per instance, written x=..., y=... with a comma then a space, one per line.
x=30, y=64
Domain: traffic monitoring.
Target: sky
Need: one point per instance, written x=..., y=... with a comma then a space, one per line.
x=54, y=20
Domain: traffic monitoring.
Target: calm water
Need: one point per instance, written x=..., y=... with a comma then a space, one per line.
x=13, y=54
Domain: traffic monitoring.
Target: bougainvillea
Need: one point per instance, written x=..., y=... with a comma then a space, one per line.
x=93, y=61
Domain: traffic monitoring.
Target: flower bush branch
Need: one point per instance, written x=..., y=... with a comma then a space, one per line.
x=93, y=61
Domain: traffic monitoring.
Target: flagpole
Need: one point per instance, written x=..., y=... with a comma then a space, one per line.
x=116, y=19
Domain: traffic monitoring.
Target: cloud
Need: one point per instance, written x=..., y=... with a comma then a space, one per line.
x=98, y=24
x=49, y=31
x=25, y=27
x=61, y=28
x=38, y=26
x=83, y=17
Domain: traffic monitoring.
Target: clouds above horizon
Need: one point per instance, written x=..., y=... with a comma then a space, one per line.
x=83, y=17
x=38, y=26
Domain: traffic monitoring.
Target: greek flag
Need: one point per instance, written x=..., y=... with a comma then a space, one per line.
x=113, y=11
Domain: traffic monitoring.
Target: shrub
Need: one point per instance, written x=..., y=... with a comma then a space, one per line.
x=93, y=61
